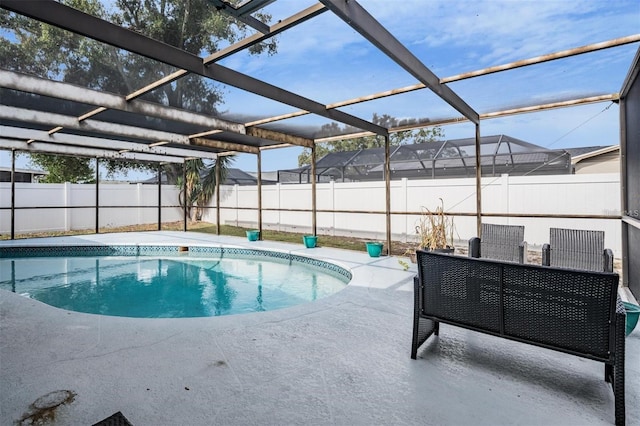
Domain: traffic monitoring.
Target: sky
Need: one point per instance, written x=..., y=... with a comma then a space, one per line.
x=327, y=61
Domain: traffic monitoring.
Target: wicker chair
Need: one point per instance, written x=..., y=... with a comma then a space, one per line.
x=500, y=242
x=577, y=249
x=573, y=311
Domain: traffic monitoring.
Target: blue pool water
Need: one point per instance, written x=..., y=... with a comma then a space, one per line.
x=168, y=286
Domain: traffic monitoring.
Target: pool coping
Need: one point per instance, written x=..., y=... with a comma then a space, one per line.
x=236, y=252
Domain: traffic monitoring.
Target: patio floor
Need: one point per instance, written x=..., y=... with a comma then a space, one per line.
x=343, y=360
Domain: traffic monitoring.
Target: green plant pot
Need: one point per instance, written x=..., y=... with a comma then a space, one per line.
x=309, y=240
x=253, y=235
x=633, y=311
x=374, y=248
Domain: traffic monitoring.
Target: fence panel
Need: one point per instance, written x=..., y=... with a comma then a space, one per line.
x=594, y=194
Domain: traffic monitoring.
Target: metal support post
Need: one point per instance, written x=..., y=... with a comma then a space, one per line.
x=97, y=195
x=260, y=193
x=13, y=194
x=185, y=196
x=159, y=197
x=314, y=207
x=478, y=185
x=217, y=195
x=387, y=184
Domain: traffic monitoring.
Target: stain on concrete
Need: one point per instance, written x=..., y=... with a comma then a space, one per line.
x=43, y=410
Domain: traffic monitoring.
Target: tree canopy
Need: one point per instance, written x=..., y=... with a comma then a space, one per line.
x=354, y=144
x=64, y=169
x=196, y=26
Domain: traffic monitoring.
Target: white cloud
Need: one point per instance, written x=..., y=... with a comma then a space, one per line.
x=505, y=30
x=326, y=60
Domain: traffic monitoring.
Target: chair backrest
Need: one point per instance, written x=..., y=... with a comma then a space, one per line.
x=502, y=242
x=565, y=309
x=576, y=249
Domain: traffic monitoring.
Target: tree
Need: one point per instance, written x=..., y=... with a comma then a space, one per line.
x=73, y=169
x=195, y=26
x=365, y=142
x=200, y=183
x=64, y=168
x=192, y=25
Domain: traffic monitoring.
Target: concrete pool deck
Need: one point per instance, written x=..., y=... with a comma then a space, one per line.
x=343, y=360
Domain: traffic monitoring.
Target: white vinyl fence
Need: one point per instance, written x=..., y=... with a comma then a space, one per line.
x=577, y=195
x=43, y=207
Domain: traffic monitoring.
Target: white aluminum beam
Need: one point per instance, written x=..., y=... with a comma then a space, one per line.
x=614, y=97
x=108, y=145
x=70, y=92
x=74, y=93
x=54, y=148
x=69, y=122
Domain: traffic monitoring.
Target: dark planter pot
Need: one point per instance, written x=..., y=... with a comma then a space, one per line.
x=253, y=235
x=310, y=241
x=374, y=248
x=448, y=250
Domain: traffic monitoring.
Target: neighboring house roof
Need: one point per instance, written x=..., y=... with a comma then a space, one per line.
x=267, y=177
x=234, y=177
x=579, y=154
x=29, y=171
x=239, y=177
x=445, y=158
x=21, y=175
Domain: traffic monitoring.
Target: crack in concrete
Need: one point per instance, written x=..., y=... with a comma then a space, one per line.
x=104, y=354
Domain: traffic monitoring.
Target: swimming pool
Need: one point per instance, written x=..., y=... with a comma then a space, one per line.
x=167, y=281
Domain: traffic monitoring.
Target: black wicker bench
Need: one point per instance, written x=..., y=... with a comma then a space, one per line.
x=572, y=311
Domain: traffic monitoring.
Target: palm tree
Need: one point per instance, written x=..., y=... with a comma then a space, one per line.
x=200, y=183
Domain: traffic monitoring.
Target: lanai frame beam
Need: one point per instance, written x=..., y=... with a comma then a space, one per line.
x=73, y=20
x=360, y=20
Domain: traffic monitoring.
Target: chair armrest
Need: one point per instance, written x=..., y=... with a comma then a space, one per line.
x=546, y=255
x=607, y=257
x=474, y=247
x=523, y=252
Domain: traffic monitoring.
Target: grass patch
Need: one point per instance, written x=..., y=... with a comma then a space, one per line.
x=347, y=243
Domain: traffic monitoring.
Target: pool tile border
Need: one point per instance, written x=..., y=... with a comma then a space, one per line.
x=155, y=250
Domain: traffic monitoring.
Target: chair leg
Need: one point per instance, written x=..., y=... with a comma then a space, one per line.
x=422, y=327
x=618, y=367
x=618, y=391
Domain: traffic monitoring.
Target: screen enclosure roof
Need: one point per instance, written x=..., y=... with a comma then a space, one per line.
x=147, y=99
